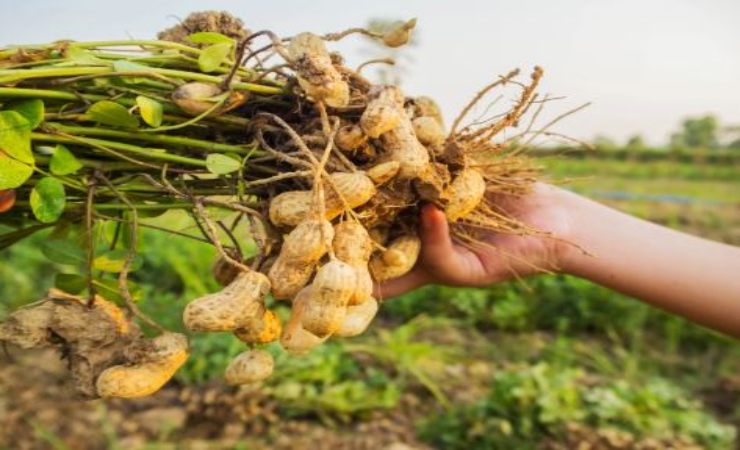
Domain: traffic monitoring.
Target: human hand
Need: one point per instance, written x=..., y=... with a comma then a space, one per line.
x=499, y=256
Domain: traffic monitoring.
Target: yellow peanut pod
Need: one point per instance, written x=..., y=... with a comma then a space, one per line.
x=229, y=308
x=358, y=318
x=401, y=144
x=464, y=194
x=429, y=131
x=383, y=172
x=317, y=75
x=288, y=279
x=260, y=330
x=295, y=339
x=331, y=290
x=350, y=137
x=307, y=242
x=291, y=208
x=249, y=367
x=352, y=243
x=145, y=377
x=426, y=106
x=384, y=111
x=398, y=259
x=399, y=33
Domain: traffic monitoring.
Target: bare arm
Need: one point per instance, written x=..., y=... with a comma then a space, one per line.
x=683, y=274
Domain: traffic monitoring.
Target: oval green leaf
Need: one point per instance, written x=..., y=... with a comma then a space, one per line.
x=63, y=162
x=212, y=57
x=16, y=159
x=113, y=261
x=111, y=113
x=70, y=283
x=64, y=251
x=32, y=109
x=209, y=37
x=150, y=110
x=48, y=200
x=221, y=164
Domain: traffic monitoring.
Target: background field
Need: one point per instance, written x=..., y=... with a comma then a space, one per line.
x=549, y=362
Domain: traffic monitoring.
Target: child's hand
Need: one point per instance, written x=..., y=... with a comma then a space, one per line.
x=500, y=256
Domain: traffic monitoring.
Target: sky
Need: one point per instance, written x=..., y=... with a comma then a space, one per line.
x=645, y=65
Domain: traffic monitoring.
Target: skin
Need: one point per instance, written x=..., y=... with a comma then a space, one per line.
x=677, y=272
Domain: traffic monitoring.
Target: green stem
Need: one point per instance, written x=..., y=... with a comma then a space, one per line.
x=12, y=75
x=102, y=165
x=156, y=138
x=148, y=153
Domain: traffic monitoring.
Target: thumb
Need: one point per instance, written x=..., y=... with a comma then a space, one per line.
x=435, y=235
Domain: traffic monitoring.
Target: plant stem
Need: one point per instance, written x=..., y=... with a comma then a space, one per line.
x=12, y=75
x=157, y=138
x=148, y=153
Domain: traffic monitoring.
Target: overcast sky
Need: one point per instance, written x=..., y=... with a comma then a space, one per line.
x=645, y=64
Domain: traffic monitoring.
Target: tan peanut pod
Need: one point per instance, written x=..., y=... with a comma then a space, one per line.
x=429, y=131
x=223, y=271
x=383, y=172
x=229, y=308
x=350, y=137
x=331, y=290
x=293, y=207
x=399, y=258
x=317, y=75
x=260, y=330
x=288, y=279
x=295, y=339
x=197, y=97
x=427, y=107
x=399, y=33
x=401, y=144
x=358, y=318
x=353, y=246
x=384, y=111
x=379, y=235
x=307, y=242
x=464, y=194
x=145, y=377
x=249, y=367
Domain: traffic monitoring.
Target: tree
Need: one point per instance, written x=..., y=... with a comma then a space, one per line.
x=697, y=133
x=636, y=143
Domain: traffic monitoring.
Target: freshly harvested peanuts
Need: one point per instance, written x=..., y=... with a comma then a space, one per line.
x=288, y=278
x=399, y=34
x=229, y=308
x=350, y=137
x=352, y=245
x=401, y=144
x=293, y=207
x=384, y=111
x=358, y=318
x=317, y=75
x=429, y=131
x=464, y=194
x=427, y=107
x=196, y=97
x=383, y=172
x=307, y=242
x=399, y=258
x=260, y=330
x=148, y=374
x=326, y=305
x=249, y=367
x=223, y=271
x=295, y=339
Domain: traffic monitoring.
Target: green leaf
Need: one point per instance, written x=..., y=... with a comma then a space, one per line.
x=111, y=113
x=210, y=37
x=70, y=283
x=109, y=290
x=150, y=110
x=113, y=261
x=221, y=164
x=16, y=159
x=11, y=237
x=122, y=65
x=63, y=162
x=64, y=251
x=31, y=109
x=212, y=57
x=82, y=57
x=48, y=200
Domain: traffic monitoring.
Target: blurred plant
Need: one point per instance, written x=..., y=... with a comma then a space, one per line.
x=400, y=56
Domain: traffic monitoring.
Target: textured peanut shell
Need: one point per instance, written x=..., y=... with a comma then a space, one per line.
x=384, y=110
x=307, y=242
x=399, y=258
x=229, y=308
x=249, y=367
x=383, y=172
x=260, y=330
x=295, y=339
x=352, y=245
x=358, y=318
x=147, y=377
x=399, y=33
x=400, y=144
x=288, y=279
x=464, y=194
x=317, y=76
x=350, y=137
x=429, y=131
x=331, y=290
x=426, y=106
x=293, y=207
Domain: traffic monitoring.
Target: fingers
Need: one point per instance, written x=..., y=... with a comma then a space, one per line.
x=435, y=234
x=397, y=286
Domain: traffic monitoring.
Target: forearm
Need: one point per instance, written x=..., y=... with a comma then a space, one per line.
x=683, y=274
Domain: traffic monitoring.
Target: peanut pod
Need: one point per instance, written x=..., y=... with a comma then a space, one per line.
x=398, y=259
x=249, y=367
x=326, y=304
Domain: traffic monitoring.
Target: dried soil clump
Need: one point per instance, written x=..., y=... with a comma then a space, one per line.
x=205, y=21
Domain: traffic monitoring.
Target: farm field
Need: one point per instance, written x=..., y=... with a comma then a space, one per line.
x=551, y=362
